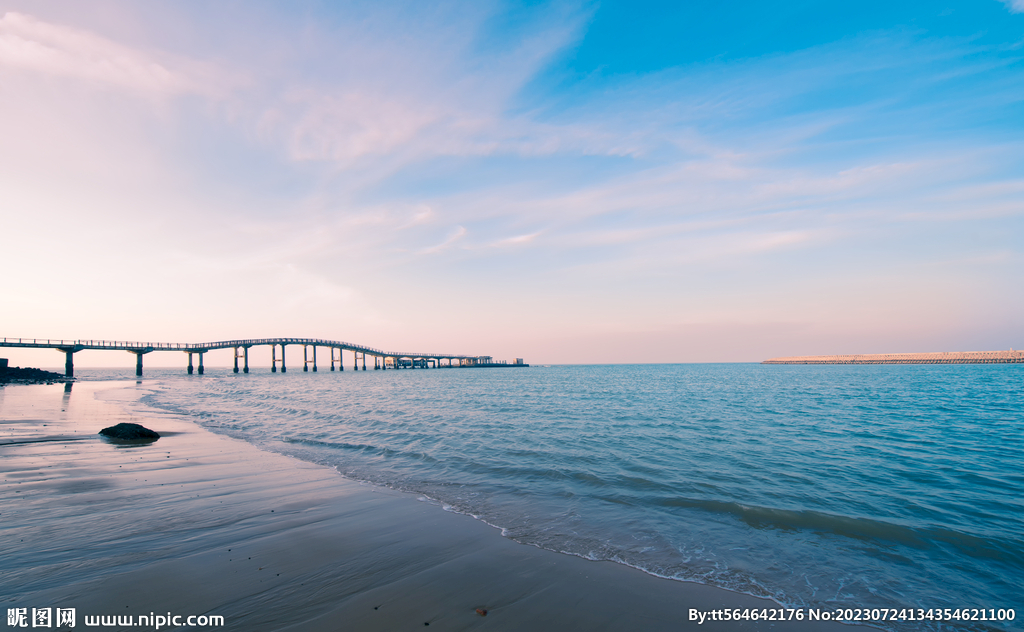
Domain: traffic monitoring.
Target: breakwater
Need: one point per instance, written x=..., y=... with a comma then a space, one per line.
x=945, y=357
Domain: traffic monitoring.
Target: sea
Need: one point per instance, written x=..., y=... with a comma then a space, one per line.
x=819, y=487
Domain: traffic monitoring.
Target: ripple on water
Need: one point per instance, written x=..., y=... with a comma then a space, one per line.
x=880, y=486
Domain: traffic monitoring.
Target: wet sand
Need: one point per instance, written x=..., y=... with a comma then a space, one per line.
x=202, y=524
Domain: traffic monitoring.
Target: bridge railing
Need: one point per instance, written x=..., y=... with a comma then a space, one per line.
x=207, y=346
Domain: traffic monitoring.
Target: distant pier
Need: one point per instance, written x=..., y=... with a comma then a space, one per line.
x=949, y=357
x=382, y=360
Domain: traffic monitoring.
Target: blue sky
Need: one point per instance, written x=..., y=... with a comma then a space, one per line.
x=564, y=182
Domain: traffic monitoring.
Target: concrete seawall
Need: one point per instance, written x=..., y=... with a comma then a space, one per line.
x=948, y=357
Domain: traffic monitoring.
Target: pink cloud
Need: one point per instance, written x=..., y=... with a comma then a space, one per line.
x=35, y=46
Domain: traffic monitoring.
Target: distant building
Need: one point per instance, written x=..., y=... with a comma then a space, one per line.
x=519, y=360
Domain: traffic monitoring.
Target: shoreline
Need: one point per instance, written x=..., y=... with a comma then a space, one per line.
x=199, y=523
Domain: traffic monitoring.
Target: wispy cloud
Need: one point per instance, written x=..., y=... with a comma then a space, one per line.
x=1015, y=6
x=32, y=45
x=399, y=92
x=379, y=149
x=458, y=233
x=517, y=240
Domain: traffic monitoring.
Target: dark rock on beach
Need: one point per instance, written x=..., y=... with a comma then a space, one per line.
x=17, y=375
x=130, y=432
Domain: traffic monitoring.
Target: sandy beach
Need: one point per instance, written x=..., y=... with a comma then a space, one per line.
x=203, y=524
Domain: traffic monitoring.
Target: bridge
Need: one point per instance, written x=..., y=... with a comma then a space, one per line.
x=399, y=360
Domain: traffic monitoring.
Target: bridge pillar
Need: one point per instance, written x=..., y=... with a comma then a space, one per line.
x=273, y=358
x=236, y=360
x=245, y=357
x=69, y=363
x=190, y=370
x=314, y=358
x=364, y=360
x=305, y=359
x=201, y=362
x=284, y=369
x=138, y=363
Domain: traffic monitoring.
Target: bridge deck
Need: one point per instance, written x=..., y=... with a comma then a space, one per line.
x=202, y=347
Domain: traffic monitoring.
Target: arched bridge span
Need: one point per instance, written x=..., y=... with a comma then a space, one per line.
x=381, y=359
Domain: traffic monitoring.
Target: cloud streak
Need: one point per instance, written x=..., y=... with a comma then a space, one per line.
x=1015, y=6
x=31, y=45
x=381, y=151
x=458, y=233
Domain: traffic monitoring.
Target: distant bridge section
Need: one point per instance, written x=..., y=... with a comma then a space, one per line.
x=948, y=357
x=381, y=359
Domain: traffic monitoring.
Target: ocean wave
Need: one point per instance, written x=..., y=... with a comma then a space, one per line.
x=843, y=485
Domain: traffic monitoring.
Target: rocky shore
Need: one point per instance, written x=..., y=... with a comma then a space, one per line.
x=18, y=375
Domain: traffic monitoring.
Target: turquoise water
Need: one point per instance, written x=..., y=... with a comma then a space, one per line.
x=816, y=486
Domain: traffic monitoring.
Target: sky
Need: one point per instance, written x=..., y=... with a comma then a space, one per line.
x=566, y=182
